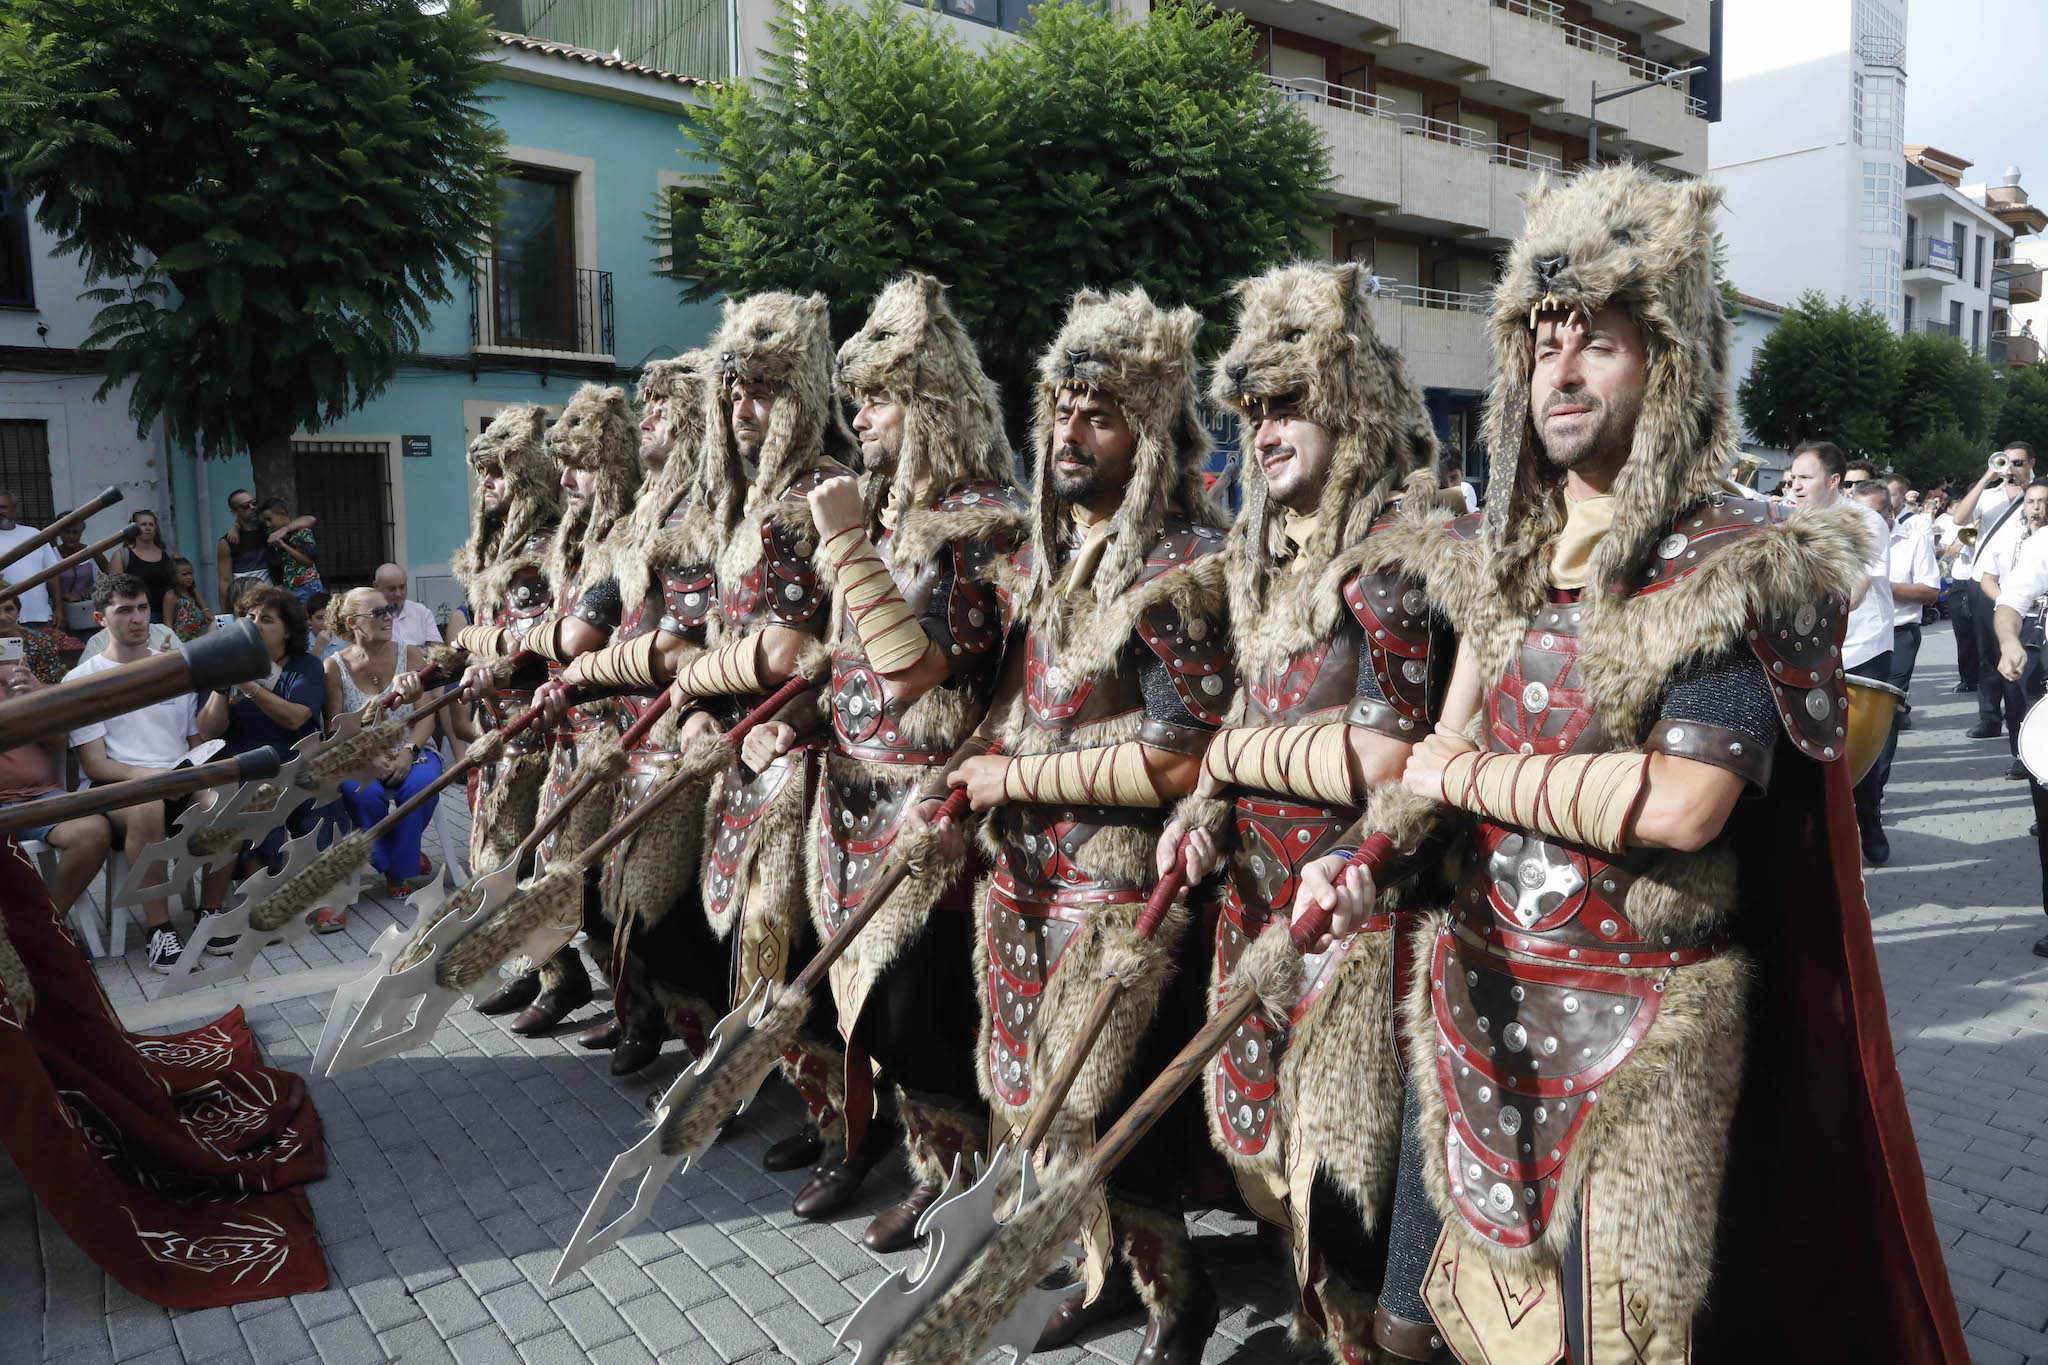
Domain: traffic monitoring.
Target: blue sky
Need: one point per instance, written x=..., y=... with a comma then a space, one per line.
x=1973, y=85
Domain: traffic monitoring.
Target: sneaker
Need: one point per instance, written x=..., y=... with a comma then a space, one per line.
x=330, y=921
x=165, y=948
x=2017, y=772
x=215, y=947
x=2041, y=946
x=1992, y=731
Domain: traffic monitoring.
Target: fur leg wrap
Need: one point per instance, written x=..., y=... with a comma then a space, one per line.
x=818, y=1071
x=508, y=811
x=1160, y=1254
x=686, y=1016
x=1347, y=1315
x=1585, y=798
x=1111, y=775
x=628, y=665
x=938, y=1132
x=561, y=969
x=730, y=670
x=15, y=985
x=889, y=634
x=1312, y=762
x=483, y=641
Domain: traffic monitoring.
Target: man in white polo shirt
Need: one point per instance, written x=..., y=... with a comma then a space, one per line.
x=138, y=743
x=1818, y=469
x=1914, y=582
x=2023, y=601
x=1992, y=506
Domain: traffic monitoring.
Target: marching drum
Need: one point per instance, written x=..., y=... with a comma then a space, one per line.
x=1872, y=704
x=2034, y=742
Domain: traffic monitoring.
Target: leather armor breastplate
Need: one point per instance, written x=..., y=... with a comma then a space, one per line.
x=678, y=601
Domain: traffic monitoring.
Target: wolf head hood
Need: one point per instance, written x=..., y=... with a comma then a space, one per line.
x=682, y=382
x=1305, y=332
x=512, y=445
x=783, y=343
x=1126, y=348
x=596, y=431
x=1614, y=236
x=914, y=349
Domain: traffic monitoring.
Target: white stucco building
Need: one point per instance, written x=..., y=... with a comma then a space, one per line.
x=1810, y=148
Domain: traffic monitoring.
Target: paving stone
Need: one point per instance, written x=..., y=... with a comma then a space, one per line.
x=452, y=1307
x=208, y=1333
x=277, y=1336
x=729, y=1329
x=522, y=1313
x=416, y=1343
x=590, y=1318
x=483, y=1346
x=346, y=1341
x=556, y=1348
x=138, y=1331
x=384, y=1304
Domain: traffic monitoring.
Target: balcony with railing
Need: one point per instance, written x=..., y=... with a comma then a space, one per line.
x=1934, y=327
x=2015, y=348
x=1936, y=254
x=1524, y=58
x=540, y=306
x=1441, y=334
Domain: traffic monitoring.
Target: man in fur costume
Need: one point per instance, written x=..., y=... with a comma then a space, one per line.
x=665, y=967
x=1127, y=672
x=512, y=521
x=919, y=648
x=1342, y=674
x=1635, y=1040
x=595, y=450
x=773, y=432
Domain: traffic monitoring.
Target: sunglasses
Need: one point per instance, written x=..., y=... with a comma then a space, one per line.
x=386, y=610
x=240, y=506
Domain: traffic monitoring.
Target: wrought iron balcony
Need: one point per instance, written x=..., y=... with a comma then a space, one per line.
x=539, y=305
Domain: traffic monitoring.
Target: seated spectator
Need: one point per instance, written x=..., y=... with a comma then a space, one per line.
x=138, y=743
x=183, y=611
x=42, y=607
x=39, y=653
x=298, y=568
x=278, y=711
x=363, y=670
x=30, y=773
x=326, y=642
x=76, y=582
x=149, y=559
x=412, y=622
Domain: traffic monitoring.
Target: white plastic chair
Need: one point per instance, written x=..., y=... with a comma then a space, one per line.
x=82, y=911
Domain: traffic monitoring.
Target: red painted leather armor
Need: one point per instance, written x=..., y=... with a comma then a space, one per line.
x=1040, y=892
x=961, y=615
x=581, y=728
x=1523, y=1046
x=525, y=606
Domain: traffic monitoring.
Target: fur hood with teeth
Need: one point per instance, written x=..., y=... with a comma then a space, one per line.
x=513, y=444
x=596, y=431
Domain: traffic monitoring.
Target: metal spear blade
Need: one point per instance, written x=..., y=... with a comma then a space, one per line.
x=350, y=995
x=955, y=1229
x=174, y=851
x=401, y=1009
x=192, y=970
x=645, y=1158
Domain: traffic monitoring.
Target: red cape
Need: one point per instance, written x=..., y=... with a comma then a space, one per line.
x=171, y=1160
x=1827, y=1248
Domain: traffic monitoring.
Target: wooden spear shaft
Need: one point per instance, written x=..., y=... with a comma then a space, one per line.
x=168, y=785
x=49, y=534
x=125, y=535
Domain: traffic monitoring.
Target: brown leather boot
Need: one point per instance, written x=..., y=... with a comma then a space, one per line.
x=895, y=1227
x=1177, y=1338
x=557, y=1002
x=800, y=1149
x=639, y=1044
x=838, y=1175
x=515, y=994
x=603, y=1035
x=1075, y=1315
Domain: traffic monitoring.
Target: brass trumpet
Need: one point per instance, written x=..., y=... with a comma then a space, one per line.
x=1742, y=480
x=1967, y=536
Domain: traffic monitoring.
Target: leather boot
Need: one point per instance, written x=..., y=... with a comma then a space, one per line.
x=838, y=1175
x=1119, y=1298
x=515, y=994
x=556, y=1003
x=639, y=1045
x=800, y=1149
x=602, y=1036
x=895, y=1227
x=1178, y=1338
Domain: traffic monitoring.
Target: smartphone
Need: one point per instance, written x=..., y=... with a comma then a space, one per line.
x=224, y=620
x=12, y=651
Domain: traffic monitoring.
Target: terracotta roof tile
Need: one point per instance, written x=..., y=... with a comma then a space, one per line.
x=547, y=47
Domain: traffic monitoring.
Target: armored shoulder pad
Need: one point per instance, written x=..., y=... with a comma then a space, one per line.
x=1801, y=651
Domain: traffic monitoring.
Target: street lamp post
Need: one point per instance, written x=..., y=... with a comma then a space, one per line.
x=1593, y=110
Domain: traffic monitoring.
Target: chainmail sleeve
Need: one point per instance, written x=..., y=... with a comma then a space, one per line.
x=601, y=605
x=1719, y=709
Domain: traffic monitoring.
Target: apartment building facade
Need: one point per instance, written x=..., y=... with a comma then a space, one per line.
x=1438, y=114
x=1952, y=240
x=1810, y=149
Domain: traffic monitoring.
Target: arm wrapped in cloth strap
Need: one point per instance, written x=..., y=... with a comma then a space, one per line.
x=1308, y=761
x=546, y=639
x=484, y=640
x=732, y=669
x=1107, y=775
x=628, y=665
x=890, y=635
x=1584, y=798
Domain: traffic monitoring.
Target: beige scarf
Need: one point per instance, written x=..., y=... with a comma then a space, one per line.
x=1585, y=524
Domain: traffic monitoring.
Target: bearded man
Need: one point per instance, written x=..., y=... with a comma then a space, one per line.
x=516, y=504
x=772, y=433
x=596, y=455
x=919, y=648
x=1628, y=1017
x=1344, y=665
x=668, y=979
x=1126, y=674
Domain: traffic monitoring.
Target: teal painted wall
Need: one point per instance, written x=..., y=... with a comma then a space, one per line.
x=630, y=146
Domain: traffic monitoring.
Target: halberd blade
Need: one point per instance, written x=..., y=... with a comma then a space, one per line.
x=645, y=1159
x=350, y=995
x=401, y=1009
x=193, y=969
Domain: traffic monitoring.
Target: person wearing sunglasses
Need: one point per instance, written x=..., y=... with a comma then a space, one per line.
x=244, y=557
x=362, y=670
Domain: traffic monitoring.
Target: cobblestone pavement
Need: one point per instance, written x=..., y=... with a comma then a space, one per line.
x=456, y=1173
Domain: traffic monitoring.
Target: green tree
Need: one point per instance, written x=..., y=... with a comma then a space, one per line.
x=267, y=195
x=2023, y=414
x=1094, y=151
x=1945, y=452
x=1942, y=387
x=1826, y=371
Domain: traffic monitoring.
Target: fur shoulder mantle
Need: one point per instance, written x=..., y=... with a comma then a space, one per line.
x=993, y=514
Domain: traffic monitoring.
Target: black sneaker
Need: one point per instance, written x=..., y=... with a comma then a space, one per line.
x=2017, y=772
x=2041, y=946
x=215, y=947
x=1992, y=731
x=1963, y=688
x=1877, y=849
x=165, y=948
